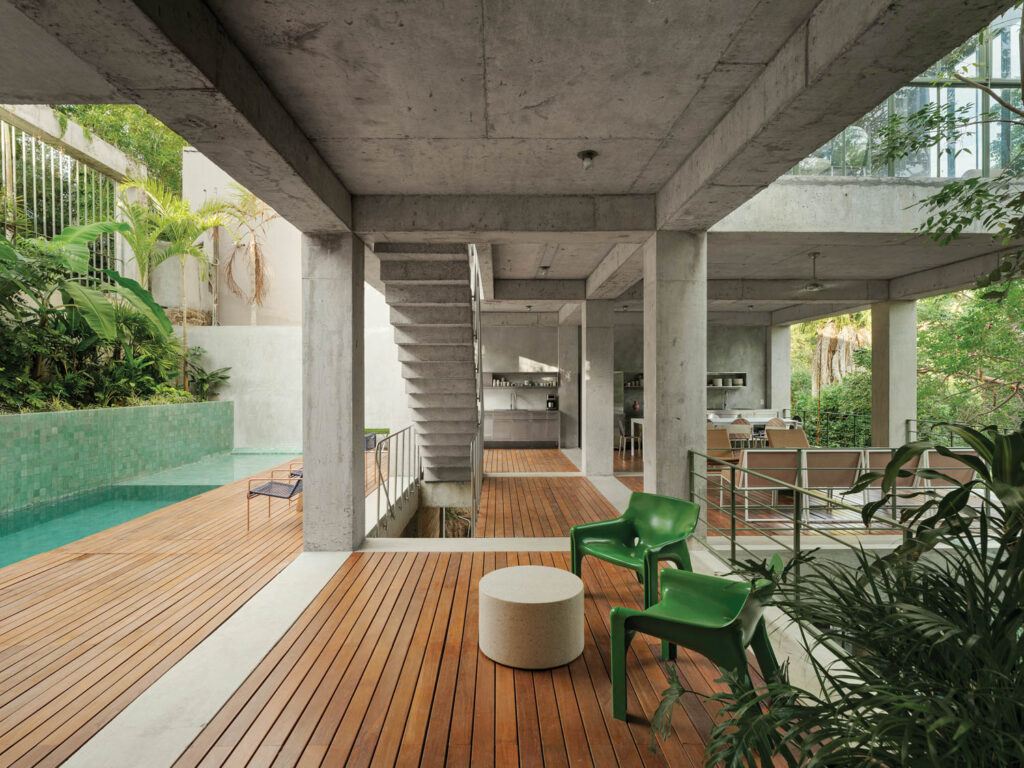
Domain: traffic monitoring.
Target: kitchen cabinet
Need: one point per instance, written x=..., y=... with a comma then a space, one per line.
x=520, y=428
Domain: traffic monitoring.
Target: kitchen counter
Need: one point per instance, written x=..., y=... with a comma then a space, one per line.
x=520, y=428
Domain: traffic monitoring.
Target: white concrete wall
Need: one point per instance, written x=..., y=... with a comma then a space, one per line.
x=265, y=383
x=201, y=180
x=266, y=359
x=266, y=377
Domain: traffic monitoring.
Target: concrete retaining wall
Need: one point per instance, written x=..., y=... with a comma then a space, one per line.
x=49, y=455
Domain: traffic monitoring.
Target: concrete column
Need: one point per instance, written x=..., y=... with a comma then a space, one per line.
x=779, y=376
x=333, y=515
x=569, y=386
x=893, y=371
x=598, y=334
x=675, y=360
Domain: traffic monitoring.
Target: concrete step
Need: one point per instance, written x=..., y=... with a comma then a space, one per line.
x=433, y=334
x=444, y=427
x=435, y=386
x=444, y=413
x=444, y=438
x=433, y=452
x=447, y=475
x=425, y=272
x=442, y=401
x=387, y=251
x=465, y=370
x=400, y=294
x=457, y=315
x=436, y=353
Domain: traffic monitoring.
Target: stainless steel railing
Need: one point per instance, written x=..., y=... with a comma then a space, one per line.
x=396, y=470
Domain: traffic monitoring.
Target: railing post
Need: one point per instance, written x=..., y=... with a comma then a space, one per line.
x=798, y=508
x=732, y=512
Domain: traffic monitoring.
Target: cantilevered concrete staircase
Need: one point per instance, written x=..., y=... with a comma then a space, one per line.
x=428, y=289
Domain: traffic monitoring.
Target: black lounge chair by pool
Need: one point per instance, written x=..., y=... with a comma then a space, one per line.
x=272, y=489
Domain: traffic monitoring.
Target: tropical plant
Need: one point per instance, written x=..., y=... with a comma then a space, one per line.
x=179, y=230
x=249, y=217
x=72, y=336
x=927, y=640
x=135, y=132
x=203, y=383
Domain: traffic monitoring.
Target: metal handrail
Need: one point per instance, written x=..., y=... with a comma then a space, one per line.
x=819, y=425
x=397, y=477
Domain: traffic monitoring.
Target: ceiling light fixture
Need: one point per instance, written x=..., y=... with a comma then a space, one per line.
x=587, y=157
x=812, y=285
x=529, y=307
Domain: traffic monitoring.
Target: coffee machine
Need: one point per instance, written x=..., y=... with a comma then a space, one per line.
x=552, y=403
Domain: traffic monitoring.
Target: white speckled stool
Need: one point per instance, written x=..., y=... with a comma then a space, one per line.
x=531, y=616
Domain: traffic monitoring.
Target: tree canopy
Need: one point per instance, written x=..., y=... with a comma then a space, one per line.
x=135, y=132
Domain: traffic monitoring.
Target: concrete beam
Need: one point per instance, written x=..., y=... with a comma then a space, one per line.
x=570, y=314
x=540, y=290
x=740, y=318
x=504, y=218
x=794, y=290
x=485, y=263
x=944, y=279
x=42, y=122
x=518, y=319
x=802, y=313
x=618, y=270
x=175, y=59
x=823, y=78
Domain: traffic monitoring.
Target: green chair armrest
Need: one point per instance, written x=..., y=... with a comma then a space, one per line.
x=619, y=528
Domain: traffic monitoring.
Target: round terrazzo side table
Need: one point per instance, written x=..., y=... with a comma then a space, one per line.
x=531, y=616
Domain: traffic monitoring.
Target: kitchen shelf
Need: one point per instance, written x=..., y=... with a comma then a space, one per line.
x=491, y=386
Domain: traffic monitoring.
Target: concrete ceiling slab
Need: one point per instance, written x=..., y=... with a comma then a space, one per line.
x=497, y=97
x=522, y=261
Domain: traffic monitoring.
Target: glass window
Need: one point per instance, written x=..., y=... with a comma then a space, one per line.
x=924, y=162
x=1005, y=54
x=964, y=155
x=1005, y=141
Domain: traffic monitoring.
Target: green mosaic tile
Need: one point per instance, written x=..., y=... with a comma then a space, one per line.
x=46, y=456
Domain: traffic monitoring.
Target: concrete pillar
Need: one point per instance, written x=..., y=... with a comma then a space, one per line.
x=569, y=386
x=675, y=360
x=893, y=371
x=333, y=515
x=598, y=334
x=779, y=376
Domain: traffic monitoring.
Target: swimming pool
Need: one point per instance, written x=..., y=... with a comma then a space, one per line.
x=31, y=530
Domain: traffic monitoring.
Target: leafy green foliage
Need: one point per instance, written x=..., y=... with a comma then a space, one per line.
x=203, y=384
x=135, y=132
x=925, y=658
x=970, y=369
x=68, y=339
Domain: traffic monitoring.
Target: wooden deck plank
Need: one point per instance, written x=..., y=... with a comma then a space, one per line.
x=538, y=506
x=403, y=682
x=86, y=628
x=520, y=460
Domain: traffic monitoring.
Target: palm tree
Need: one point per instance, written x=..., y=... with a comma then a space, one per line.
x=250, y=217
x=177, y=231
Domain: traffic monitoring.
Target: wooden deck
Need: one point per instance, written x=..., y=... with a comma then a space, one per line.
x=623, y=462
x=538, y=506
x=383, y=668
x=86, y=628
x=527, y=460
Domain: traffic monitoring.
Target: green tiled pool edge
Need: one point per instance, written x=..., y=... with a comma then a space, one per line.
x=47, y=456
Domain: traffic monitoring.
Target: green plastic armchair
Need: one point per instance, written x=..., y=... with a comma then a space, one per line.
x=715, y=617
x=653, y=528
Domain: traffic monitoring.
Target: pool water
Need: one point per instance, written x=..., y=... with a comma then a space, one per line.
x=31, y=530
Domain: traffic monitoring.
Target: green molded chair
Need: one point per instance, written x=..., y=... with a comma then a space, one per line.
x=653, y=528
x=715, y=617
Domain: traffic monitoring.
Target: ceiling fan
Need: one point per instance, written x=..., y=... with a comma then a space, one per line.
x=814, y=285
